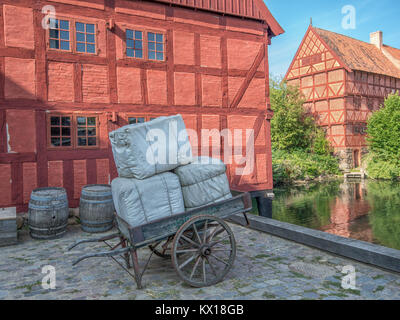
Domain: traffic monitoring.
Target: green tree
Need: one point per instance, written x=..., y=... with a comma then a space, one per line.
x=292, y=127
x=384, y=131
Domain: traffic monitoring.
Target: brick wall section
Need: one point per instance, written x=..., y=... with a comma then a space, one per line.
x=95, y=84
x=129, y=87
x=5, y=184
x=61, y=82
x=184, y=88
x=55, y=173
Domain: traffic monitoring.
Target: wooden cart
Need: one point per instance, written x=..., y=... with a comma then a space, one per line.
x=199, y=242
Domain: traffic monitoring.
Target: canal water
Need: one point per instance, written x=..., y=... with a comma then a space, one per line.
x=364, y=210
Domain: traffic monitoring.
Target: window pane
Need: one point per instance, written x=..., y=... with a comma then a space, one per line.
x=64, y=24
x=92, y=141
x=55, y=121
x=64, y=45
x=160, y=56
x=139, y=53
x=132, y=120
x=66, y=142
x=129, y=43
x=90, y=48
x=90, y=38
x=82, y=142
x=80, y=27
x=152, y=46
x=64, y=35
x=54, y=23
x=81, y=120
x=91, y=121
x=152, y=55
x=80, y=47
x=82, y=132
x=159, y=37
x=55, y=131
x=129, y=34
x=138, y=44
x=92, y=132
x=54, y=33
x=151, y=36
x=138, y=35
x=55, y=142
x=130, y=53
x=90, y=28
x=80, y=37
x=66, y=121
x=54, y=44
x=66, y=132
x=160, y=47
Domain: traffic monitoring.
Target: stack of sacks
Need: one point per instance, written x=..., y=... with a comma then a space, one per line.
x=141, y=201
x=158, y=177
x=203, y=182
x=144, y=153
x=144, y=150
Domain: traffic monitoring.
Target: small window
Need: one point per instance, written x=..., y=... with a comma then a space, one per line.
x=155, y=46
x=60, y=131
x=135, y=120
x=85, y=37
x=86, y=131
x=134, y=44
x=59, y=34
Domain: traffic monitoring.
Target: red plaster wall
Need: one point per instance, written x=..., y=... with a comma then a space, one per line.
x=205, y=77
x=19, y=78
x=21, y=127
x=17, y=19
x=210, y=51
x=184, y=47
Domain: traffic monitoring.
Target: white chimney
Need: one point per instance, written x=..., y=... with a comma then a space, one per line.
x=376, y=38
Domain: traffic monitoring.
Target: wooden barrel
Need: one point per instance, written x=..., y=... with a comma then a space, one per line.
x=48, y=213
x=96, y=208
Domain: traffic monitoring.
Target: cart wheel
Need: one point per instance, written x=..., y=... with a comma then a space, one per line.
x=164, y=250
x=206, y=258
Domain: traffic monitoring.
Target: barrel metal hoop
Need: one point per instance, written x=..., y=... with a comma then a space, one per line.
x=96, y=201
x=96, y=223
x=44, y=199
x=45, y=208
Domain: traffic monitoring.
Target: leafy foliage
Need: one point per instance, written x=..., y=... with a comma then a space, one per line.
x=384, y=140
x=300, y=148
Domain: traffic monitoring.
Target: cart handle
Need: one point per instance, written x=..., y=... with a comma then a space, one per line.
x=104, y=238
x=102, y=254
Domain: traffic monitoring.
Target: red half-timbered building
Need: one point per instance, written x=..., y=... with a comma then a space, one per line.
x=343, y=81
x=101, y=64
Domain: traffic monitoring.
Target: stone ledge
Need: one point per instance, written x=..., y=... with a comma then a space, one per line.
x=366, y=252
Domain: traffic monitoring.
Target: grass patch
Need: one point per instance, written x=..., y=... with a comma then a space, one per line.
x=379, y=288
x=261, y=256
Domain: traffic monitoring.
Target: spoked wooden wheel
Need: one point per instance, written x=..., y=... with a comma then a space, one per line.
x=205, y=258
x=162, y=250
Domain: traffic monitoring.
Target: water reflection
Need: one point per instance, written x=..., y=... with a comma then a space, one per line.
x=364, y=210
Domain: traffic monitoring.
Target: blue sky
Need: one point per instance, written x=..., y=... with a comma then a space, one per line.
x=294, y=17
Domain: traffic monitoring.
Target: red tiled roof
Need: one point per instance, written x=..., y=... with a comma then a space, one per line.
x=253, y=9
x=360, y=55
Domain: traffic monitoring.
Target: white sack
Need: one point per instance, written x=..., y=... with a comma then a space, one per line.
x=141, y=201
x=143, y=150
x=203, y=182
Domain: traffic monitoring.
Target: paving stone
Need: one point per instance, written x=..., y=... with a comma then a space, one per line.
x=267, y=277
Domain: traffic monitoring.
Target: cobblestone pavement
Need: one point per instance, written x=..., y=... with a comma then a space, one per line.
x=266, y=267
